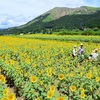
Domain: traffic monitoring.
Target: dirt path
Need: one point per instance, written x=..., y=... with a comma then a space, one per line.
x=11, y=90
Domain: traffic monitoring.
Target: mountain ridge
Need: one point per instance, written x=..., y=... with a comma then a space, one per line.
x=67, y=11
x=62, y=18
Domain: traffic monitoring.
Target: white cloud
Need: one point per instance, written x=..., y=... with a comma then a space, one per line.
x=34, y=7
x=11, y=21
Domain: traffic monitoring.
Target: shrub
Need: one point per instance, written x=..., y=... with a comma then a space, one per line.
x=88, y=32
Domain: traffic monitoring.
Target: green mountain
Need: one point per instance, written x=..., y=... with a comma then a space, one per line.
x=62, y=18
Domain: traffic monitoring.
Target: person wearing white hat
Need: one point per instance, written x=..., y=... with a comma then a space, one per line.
x=74, y=52
x=81, y=49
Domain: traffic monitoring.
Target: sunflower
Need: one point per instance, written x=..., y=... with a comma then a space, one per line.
x=33, y=79
x=81, y=73
x=41, y=83
x=52, y=88
x=5, y=91
x=73, y=88
x=50, y=94
x=70, y=74
x=82, y=95
x=94, y=68
x=2, y=78
x=97, y=79
x=49, y=74
x=82, y=90
x=89, y=75
x=26, y=74
x=5, y=98
x=61, y=76
x=39, y=72
x=60, y=98
x=11, y=96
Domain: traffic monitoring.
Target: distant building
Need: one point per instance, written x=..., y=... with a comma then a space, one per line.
x=21, y=34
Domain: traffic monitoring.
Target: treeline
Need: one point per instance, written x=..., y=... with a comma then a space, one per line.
x=86, y=31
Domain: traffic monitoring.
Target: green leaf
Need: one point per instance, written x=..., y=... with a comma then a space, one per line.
x=41, y=89
x=90, y=97
x=36, y=93
x=53, y=98
x=56, y=94
x=44, y=94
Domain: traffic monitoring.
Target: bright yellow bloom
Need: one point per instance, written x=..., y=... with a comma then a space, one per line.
x=61, y=76
x=97, y=79
x=81, y=89
x=50, y=94
x=95, y=72
x=12, y=96
x=39, y=72
x=61, y=67
x=73, y=88
x=6, y=98
x=50, y=69
x=2, y=79
x=67, y=62
x=12, y=62
x=52, y=88
x=5, y=91
x=60, y=98
x=41, y=82
x=81, y=73
x=27, y=61
x=49, y=74
x=34, y=65
x=89, y=75
x=82, y=95
x=26, y=74
x=71, y=74
x=33, y=79
x=82, y=68
x=67, y=68
x=94, y=68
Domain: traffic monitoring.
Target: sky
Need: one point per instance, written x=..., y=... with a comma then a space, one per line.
x=18, y=12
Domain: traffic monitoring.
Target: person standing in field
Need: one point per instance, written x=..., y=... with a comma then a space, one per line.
x=81, y=49
x=81, y=54
x=74, y=52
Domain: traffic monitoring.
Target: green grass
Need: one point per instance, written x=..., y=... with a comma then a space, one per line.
x=80, y=38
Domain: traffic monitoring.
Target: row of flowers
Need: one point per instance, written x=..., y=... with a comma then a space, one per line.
x=4, y=91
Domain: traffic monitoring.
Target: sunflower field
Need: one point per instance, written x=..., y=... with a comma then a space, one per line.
x=45, y=70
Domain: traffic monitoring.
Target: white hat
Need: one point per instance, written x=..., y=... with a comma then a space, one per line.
x=75, y=46
x=81, y=44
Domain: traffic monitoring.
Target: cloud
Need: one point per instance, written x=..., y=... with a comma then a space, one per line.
x=11, y=21
x=35, y=7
